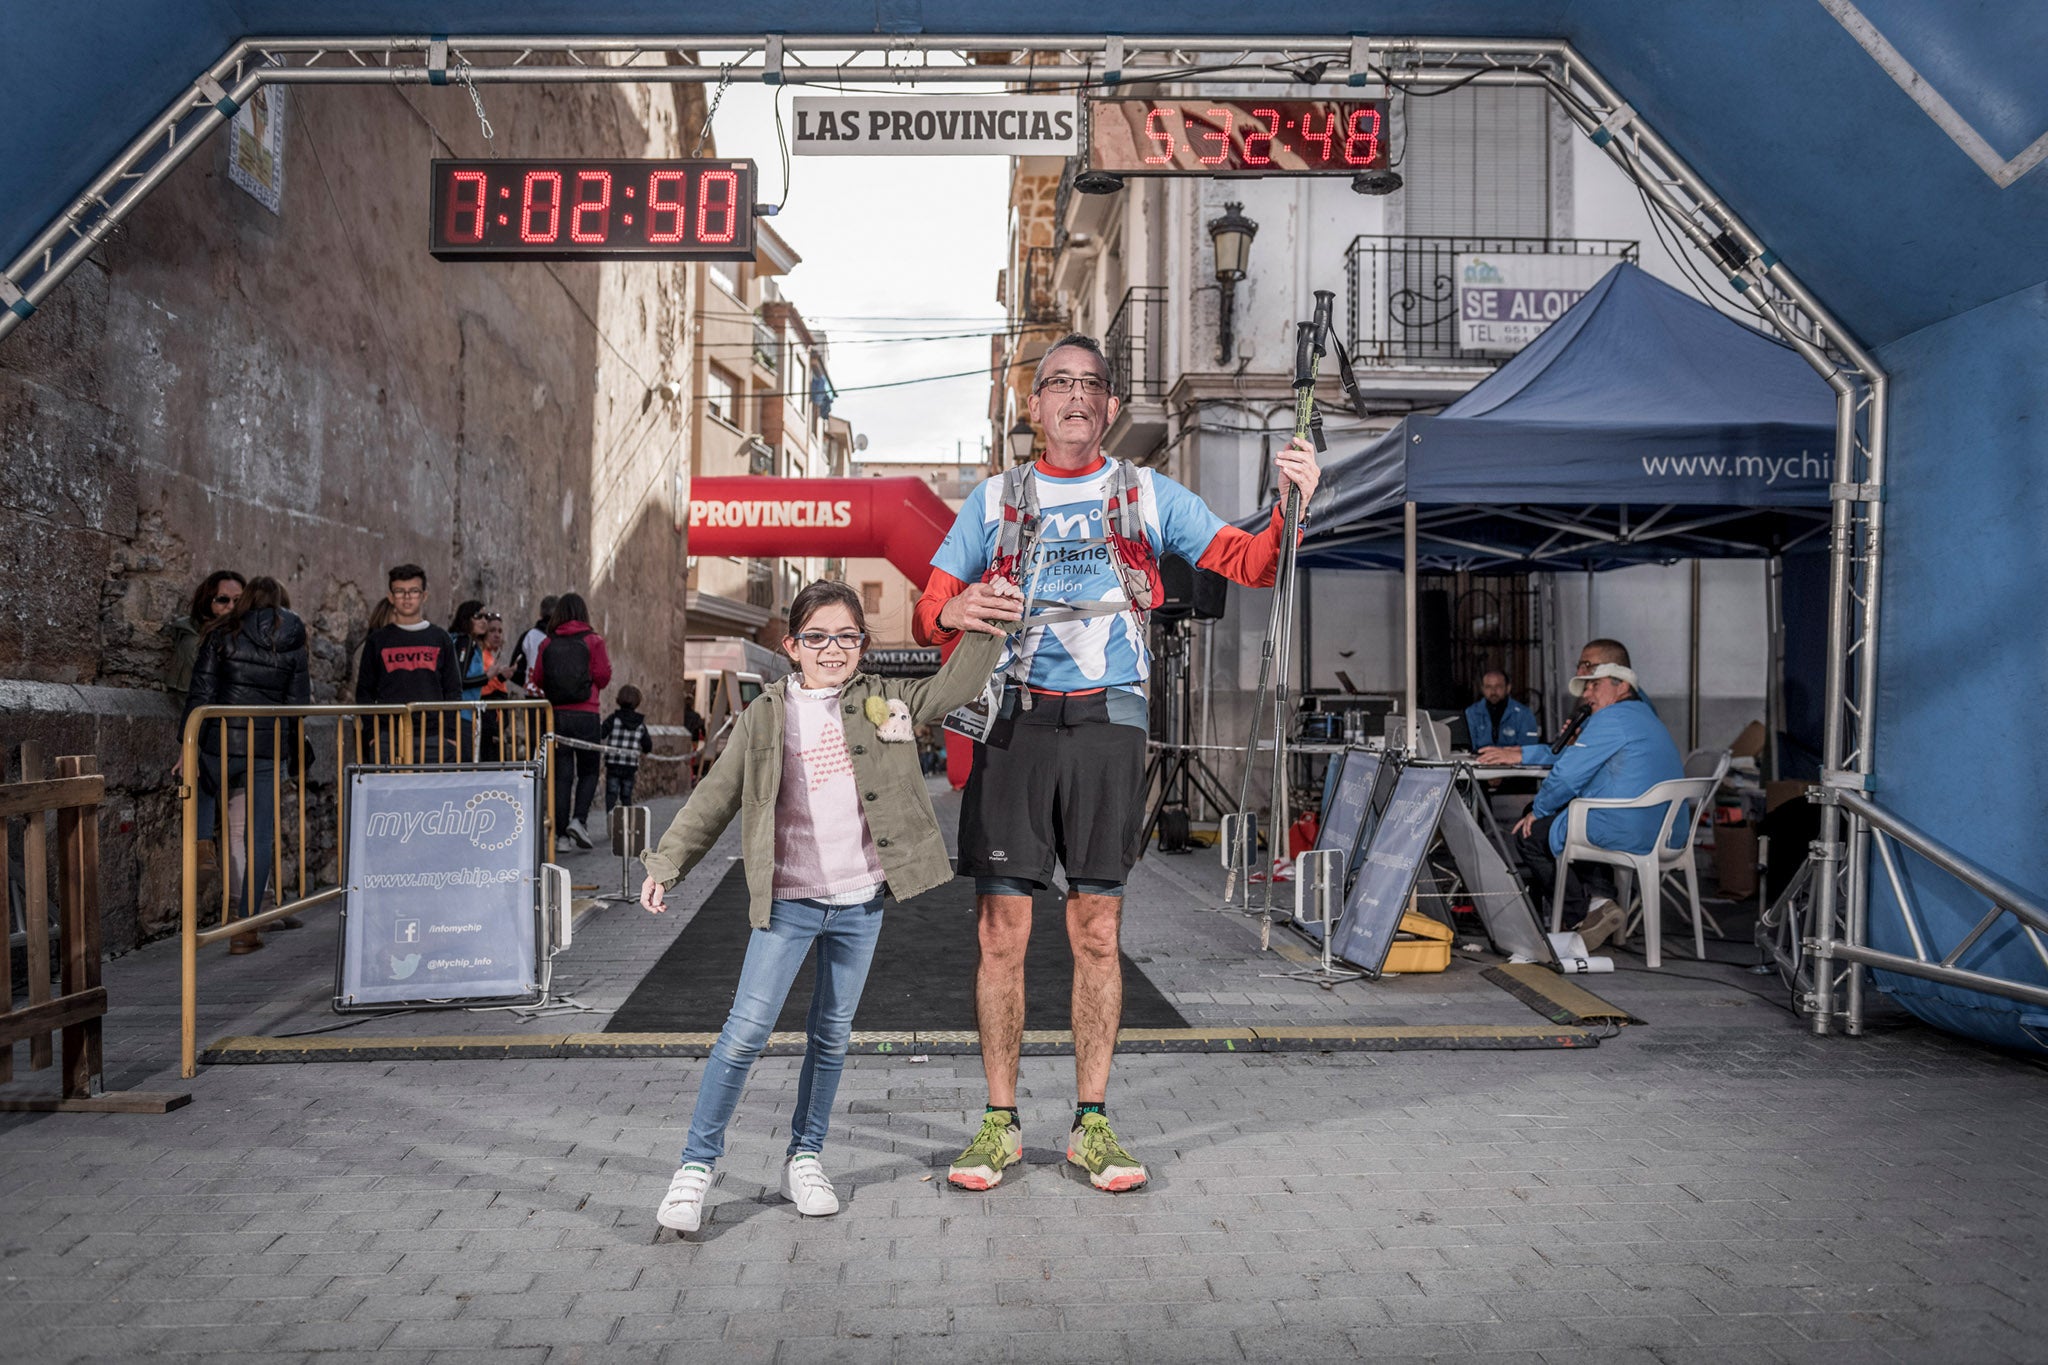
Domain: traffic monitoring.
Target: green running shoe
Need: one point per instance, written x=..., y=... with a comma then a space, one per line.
x=1093, y=1147
x=1000, y=1143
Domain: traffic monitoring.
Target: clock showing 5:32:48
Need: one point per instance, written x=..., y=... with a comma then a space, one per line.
x=1236, y=136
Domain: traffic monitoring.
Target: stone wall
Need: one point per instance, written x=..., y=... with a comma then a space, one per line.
x=310, y=395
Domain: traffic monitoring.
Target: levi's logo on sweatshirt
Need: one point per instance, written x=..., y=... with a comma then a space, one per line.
x=401, y=658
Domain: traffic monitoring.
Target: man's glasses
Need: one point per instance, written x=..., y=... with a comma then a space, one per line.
x=408, y=592
x=1093, y=385
x=848, y=640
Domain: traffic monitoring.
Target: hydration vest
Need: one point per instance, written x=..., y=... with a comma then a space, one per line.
x=1016, y=559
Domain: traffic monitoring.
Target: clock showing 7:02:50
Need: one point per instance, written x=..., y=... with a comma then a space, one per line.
x=1236, y=136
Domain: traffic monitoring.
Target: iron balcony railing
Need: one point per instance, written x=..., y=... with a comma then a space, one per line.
x=1403, y=296
x=1135, y=344
x=767, y=345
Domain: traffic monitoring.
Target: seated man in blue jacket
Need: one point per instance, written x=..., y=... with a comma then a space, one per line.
x=1497, y=719
x=1623, y=750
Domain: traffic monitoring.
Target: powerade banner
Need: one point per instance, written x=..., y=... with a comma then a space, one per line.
x=1505, y=301
x=1372, y=912
x=442, y=888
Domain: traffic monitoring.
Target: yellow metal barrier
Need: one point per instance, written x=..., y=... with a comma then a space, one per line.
x=304, y=754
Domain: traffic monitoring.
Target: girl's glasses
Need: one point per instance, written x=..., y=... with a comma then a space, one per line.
x=846, y=639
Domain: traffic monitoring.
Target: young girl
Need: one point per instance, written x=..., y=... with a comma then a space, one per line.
x=833, y=811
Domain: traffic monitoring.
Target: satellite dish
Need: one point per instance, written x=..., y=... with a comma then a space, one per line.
x=860, y=442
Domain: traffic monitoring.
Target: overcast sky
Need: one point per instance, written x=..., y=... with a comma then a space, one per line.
x=894, y=248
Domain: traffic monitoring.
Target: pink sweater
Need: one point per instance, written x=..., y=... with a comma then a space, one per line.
x=823, y=850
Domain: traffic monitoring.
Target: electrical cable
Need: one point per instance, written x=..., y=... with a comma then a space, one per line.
x=1696, y=976
x=782, y=142
x=908, y=340
x=347, y=1024
x=1712, y=297
x=888, y=384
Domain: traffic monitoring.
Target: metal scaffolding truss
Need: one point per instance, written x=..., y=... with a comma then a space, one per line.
x=1837, y=909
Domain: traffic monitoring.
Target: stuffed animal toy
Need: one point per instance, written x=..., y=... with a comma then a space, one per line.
x=891, y=719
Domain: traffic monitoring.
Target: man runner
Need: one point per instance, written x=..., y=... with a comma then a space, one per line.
x=1060, y=778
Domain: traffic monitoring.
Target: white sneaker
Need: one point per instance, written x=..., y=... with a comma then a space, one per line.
x=579, y=834
x=682, y=1208
x=808, y=1187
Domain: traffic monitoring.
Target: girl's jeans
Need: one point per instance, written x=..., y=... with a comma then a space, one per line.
x=845, y=937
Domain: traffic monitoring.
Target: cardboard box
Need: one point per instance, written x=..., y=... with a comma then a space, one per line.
x=1777, y=794
x=1735, y=860
x=1750, y=743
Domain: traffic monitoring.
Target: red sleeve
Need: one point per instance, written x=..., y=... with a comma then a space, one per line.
x=600, y=665
x=1253, y=560
x=939, y=590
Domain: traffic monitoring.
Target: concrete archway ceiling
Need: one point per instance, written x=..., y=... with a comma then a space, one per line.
x=1881, y=210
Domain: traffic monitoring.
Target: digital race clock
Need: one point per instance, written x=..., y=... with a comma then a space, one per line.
x=1236, y=137
x=568, y=210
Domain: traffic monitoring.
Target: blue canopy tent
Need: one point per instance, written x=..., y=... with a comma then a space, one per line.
x=1643, y=426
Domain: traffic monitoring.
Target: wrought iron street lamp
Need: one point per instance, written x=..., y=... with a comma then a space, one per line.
x=1232, y=235
x=1022, y=439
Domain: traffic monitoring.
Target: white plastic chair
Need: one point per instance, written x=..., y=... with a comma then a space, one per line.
x=1645, y=871
x=1700, y=762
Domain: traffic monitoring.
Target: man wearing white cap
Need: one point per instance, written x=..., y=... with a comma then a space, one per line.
x=1622, y=750
x=1541, y=755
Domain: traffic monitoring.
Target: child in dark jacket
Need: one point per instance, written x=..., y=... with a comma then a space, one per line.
x=625, y=737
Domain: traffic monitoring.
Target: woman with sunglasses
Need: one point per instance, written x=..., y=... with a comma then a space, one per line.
x=823, y=772
x=216, y=598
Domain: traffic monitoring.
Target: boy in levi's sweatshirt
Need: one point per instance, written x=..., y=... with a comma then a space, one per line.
x=823, y=772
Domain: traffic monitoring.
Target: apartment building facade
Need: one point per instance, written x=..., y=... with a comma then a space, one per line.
x=764, y=407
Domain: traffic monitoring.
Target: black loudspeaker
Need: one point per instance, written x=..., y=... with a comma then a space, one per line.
x=1191, y=593
x=1433, y=647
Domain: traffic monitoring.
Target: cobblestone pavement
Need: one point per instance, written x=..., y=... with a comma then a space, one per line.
x=1716, y=1186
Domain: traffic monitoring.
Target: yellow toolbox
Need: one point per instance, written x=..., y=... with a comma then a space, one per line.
x=1422, y=945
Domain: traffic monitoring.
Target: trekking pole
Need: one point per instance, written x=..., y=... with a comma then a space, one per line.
x=1311, y=344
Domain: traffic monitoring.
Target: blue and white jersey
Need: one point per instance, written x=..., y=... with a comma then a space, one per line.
x=1110, y=650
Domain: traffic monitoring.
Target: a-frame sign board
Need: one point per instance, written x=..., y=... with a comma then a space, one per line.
x=1422, y=806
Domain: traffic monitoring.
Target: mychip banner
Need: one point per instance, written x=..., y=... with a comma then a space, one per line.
x=442, y=887
x=1505, y=301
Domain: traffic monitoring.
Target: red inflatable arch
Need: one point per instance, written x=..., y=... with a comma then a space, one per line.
x=897, y=519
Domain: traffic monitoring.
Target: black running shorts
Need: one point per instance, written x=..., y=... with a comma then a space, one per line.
x=1068, y=790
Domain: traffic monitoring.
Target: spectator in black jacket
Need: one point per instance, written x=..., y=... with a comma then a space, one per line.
x=215, y=598
x=411, y=660
x=254, y=656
